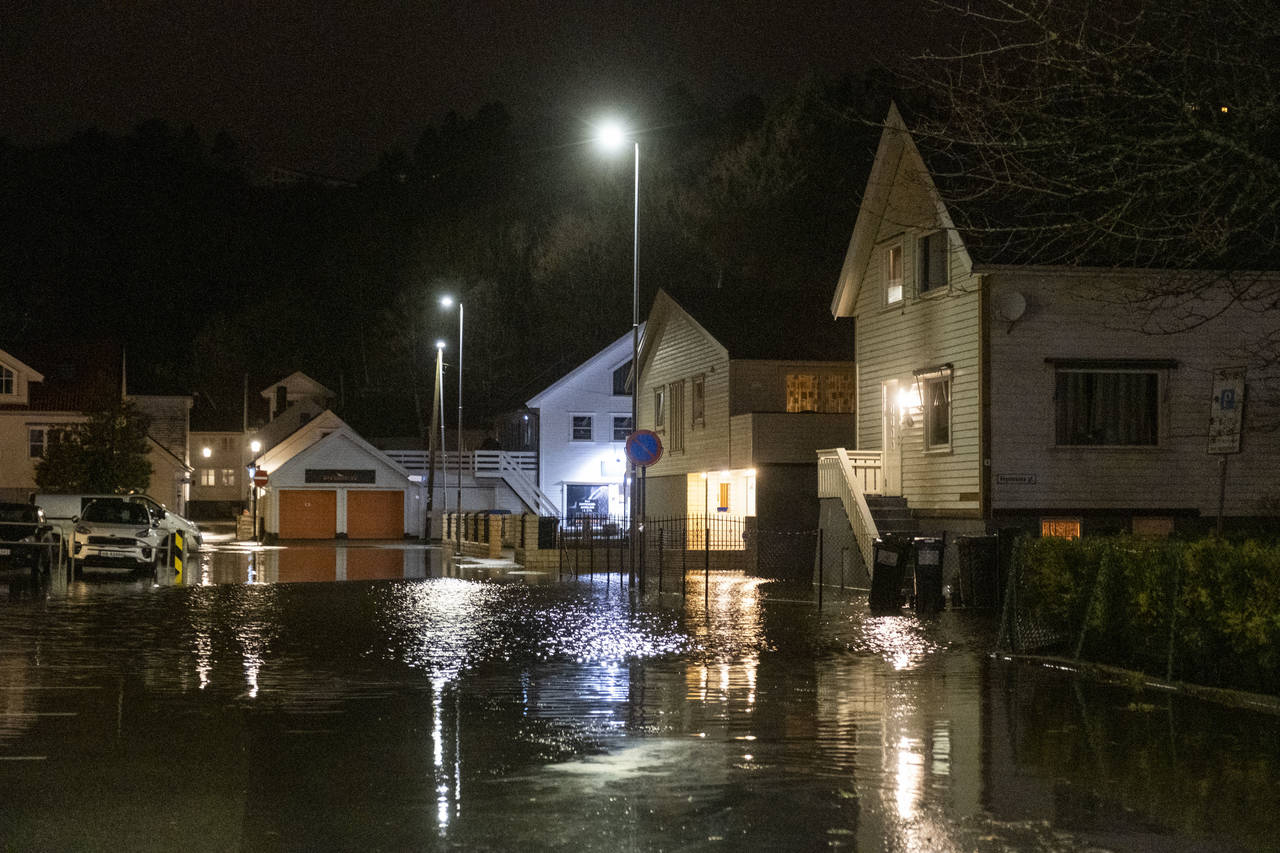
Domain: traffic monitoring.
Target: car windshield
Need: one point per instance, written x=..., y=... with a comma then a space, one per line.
x=116, y=512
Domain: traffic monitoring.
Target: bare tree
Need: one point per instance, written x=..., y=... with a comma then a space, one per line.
x=1140, y=134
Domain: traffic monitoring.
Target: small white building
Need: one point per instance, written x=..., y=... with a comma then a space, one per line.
x=326, y=482
x=584, y=419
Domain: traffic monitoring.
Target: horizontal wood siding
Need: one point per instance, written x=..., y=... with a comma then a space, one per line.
x=1061, y=322
x=761, y=386
x=922, y=331
x=682, y=352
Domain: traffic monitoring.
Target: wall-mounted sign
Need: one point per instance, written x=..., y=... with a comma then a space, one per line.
x=1016, y=479
x=341, y=475
x=1226, y=412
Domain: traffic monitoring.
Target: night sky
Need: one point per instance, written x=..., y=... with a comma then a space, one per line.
x=326, y=86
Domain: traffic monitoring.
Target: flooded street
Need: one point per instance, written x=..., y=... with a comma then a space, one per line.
x=385, y=705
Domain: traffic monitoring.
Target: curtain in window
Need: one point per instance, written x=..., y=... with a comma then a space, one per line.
x=1107, y=408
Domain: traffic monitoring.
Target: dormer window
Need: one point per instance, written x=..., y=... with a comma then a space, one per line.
x=893, y=274
x=932, y=261
x=8, y=382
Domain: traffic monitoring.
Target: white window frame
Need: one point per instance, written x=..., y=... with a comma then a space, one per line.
x=209, y=477
x=614, y=425
x=573, y=426
x=31, y=441
x=625, y=366
x=228, y=476
x=923, y=287
x=8, y=382
x=893, y=286
x=660, y=408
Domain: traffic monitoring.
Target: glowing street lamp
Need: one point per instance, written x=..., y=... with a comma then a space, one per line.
x=447, y=302
x=612, y=136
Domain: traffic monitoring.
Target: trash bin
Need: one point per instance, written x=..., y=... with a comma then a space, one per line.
x=889, y=562
x=928, y=575
x=547, y=527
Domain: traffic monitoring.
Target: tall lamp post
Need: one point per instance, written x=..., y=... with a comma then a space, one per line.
x=447, y=302
x=613, y=135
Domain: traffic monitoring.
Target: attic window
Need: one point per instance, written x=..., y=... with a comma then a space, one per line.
x=6, y=381
x=932, y=261
x=893, y=274
x=620, y=384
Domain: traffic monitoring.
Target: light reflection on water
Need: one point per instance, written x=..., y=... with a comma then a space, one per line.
x=450, y=712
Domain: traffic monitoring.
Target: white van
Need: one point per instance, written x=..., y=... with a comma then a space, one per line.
x=67, y=507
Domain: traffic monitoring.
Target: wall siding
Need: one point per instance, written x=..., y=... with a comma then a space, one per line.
x=922, y=331
x=1060, y=322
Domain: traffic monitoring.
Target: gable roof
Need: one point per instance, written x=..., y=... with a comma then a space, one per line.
x=897, y=160
x=298, y=384
x=295, y=440
x=770, y=325
x=611, y=353
x=284, y=454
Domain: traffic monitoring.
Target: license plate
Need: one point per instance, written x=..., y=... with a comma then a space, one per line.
x=4, y=552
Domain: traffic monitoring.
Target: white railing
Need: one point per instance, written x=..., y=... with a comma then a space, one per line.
x=841, y=474
x=517, y=470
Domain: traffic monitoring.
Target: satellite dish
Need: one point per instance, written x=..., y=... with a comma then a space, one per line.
x=1010, y=305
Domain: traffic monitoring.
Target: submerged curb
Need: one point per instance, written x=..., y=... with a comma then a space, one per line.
x=1118, y=675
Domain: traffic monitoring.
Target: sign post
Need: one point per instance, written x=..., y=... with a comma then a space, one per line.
x=1226, y=424
x=644, y=448
x=260, y=480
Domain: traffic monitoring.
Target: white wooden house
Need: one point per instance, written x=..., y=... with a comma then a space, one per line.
x=584, y=419
x=998, y=395
x=742, y=393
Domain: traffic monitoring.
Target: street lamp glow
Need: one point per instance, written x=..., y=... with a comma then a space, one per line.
x=446, y=301
x=440, y=345
x=612, y=135
x=206, y=452
x=255, y=445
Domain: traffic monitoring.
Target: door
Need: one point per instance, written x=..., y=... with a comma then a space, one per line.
x=375, y=514
x=308, y=514
x=891, y=438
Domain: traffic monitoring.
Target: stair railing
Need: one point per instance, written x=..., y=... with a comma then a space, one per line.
x=842, y=474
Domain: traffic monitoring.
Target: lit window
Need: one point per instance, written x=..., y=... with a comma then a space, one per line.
x=208, y=476
x=937, y=412
x=802, y=392
x=581, y=428
x=893, y=274
x=838, y=393
x=621, y=427
x=228, y=476
x=1063, y=528
x=932, y=260
x=1100, y=407
x=724, y=498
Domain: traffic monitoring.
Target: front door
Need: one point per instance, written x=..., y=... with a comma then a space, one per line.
x=891, y=437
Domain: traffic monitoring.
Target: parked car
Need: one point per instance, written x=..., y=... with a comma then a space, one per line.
x=71, y=506
x=119, y=532
x=26, y=540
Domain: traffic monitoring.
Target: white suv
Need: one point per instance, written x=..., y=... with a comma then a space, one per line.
x=118, y=531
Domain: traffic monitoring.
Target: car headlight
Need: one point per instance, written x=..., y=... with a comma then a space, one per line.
x=143, y=534
x=82, y=530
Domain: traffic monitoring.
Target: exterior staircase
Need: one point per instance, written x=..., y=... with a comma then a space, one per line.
x=892, y=516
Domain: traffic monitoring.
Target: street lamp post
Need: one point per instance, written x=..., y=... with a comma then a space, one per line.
x=612, y=135
x=448, y=301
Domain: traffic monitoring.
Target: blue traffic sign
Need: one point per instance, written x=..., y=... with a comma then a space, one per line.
x=644, y=447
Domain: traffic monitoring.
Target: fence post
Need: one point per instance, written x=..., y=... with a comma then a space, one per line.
x=1173, y=609
x=706, y=567
x=822, y=569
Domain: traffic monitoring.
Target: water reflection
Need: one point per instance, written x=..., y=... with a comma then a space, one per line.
x=450, y=712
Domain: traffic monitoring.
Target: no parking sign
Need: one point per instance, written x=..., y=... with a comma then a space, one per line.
x=644, y=447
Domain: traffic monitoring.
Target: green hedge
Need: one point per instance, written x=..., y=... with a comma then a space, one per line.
x=1214, y=605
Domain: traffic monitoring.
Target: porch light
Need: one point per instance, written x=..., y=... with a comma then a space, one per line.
x=255, y=446
x=206, y=452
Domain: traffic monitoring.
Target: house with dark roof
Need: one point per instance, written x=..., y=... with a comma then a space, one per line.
x=996, y=391
x=742, y=392
x=72, y=382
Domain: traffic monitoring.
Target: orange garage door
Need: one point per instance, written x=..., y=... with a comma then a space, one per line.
x=375, y=515
x=308, y=514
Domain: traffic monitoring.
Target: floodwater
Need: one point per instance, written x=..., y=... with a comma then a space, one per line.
x=399, y=706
